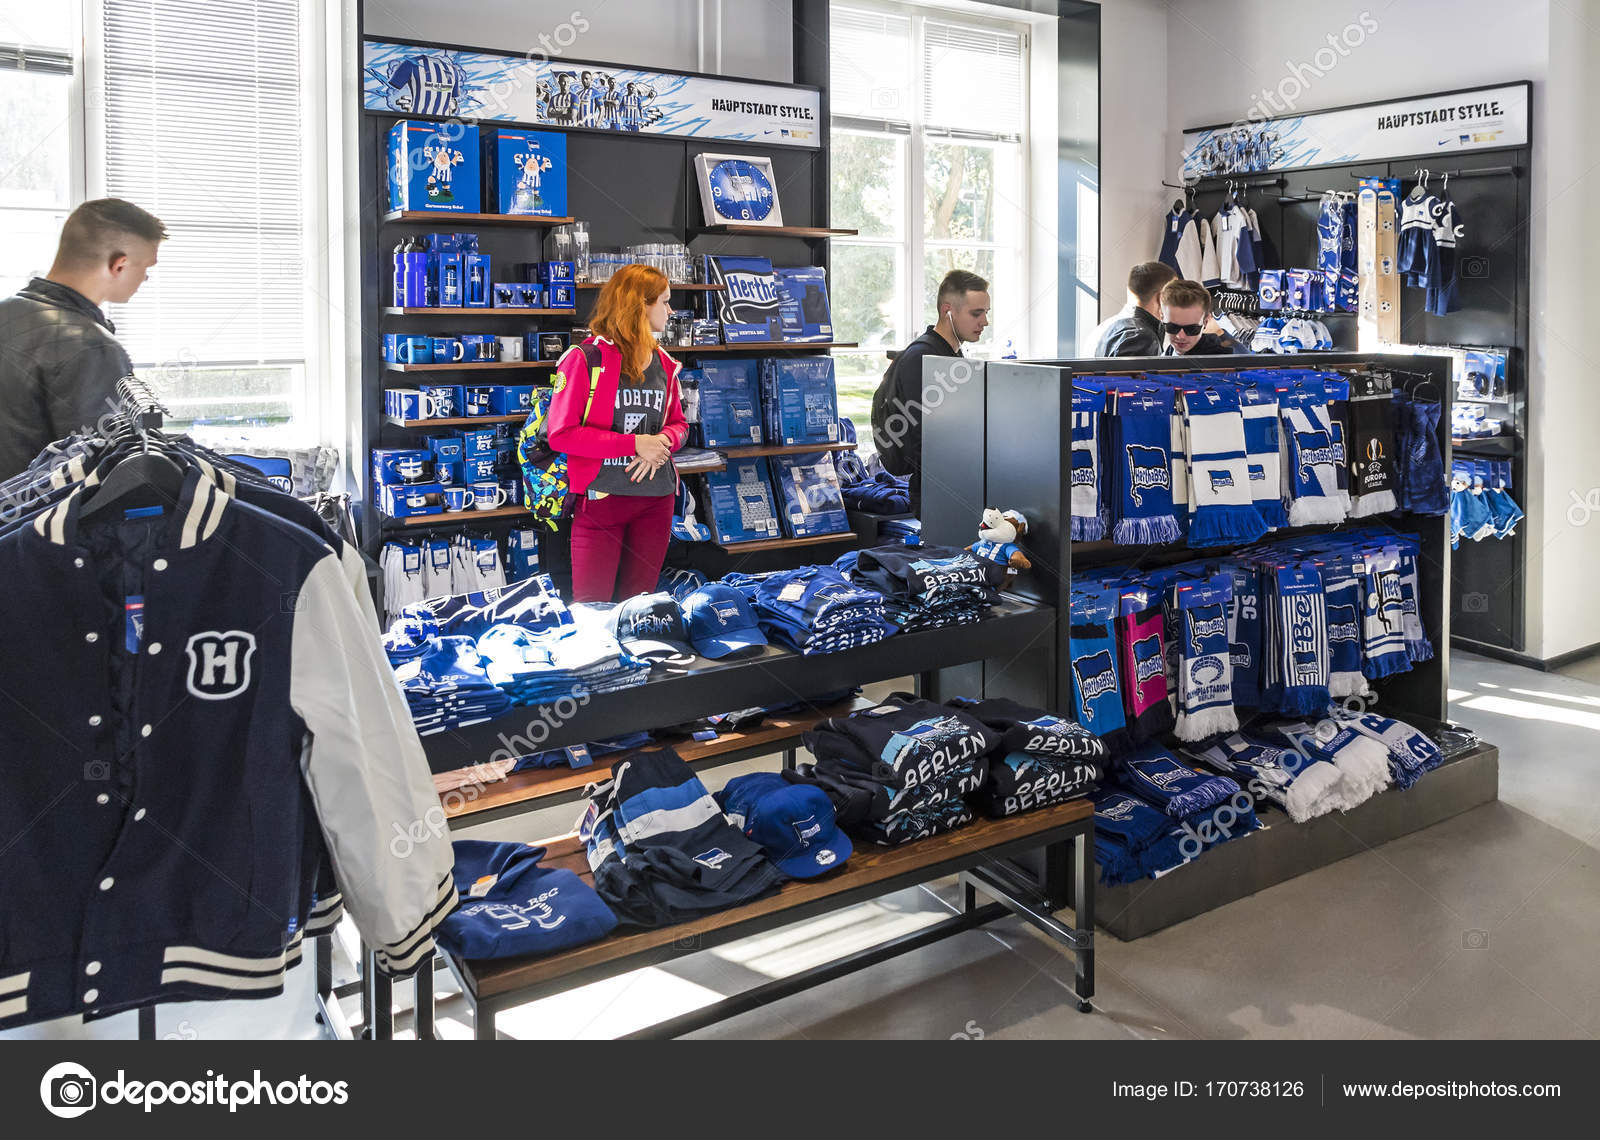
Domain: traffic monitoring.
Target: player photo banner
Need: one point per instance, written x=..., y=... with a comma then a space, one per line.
x=441, y=83
x=1489, y=118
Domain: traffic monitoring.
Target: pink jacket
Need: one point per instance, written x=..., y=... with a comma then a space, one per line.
x=587, y=440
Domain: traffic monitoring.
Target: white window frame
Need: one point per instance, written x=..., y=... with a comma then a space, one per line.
x=317, y=414
x=1017, y=318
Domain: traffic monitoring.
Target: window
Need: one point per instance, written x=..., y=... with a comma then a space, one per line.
x=929, y=162
x=37, y=187
x=199, y=110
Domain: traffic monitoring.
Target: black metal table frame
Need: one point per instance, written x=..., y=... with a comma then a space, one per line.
x=1069, y=859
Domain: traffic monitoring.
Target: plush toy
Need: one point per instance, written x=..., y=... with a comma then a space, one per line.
x=997, y=537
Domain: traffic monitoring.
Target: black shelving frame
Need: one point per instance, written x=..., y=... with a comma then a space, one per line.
x=1493, y=187
x=630, y=188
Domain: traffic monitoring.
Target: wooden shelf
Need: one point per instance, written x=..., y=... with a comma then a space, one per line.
x=442, y=216
x=449, y=517
x=475, y=366
x=776, y=231
x=782, y=543
x=677, y=287
x=759, y=346
x=701, y=470
x=456, y=421
x=782, y=449
x=473, y=314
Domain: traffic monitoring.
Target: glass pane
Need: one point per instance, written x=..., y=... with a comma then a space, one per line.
x=869, y=176
x=29, y=246
x=36, y=144
x=225, y=398
x=32, y=24
x=858, y=374
x=867, y=299
x=959, y=192
x=973, y=78
x=870, y=72
x=1004, y=293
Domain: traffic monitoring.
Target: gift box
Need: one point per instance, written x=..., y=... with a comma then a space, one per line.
x=434, y=166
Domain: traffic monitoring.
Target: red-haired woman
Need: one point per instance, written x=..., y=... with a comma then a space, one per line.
x=619, y=424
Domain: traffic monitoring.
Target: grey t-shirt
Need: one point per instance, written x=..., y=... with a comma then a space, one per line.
x=641, y=409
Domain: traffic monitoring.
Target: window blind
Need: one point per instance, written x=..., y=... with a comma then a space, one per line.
x=973, y=79
x=202, y=115
x=870, y=76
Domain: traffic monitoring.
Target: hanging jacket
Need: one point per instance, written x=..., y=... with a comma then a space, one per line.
x=1210, y=273
x=1180, y=245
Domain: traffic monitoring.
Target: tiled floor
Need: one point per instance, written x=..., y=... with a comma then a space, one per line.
x=1483, y=926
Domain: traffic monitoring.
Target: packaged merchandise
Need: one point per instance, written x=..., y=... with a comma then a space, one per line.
x=526, y=171
x=434, y=166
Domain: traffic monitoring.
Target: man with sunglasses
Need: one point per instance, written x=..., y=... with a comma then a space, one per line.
x=1186, y=319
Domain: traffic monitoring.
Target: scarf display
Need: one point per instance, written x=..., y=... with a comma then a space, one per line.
x=1154, y=776
x=1223, y=509
x=1132, y=840
x=1258, y=405
x=1410, y=752
x=1336, y=387
x=1141, y=436
x=1342, y=589
x=1142, y=656
x=1418, y=647
x=1419, y=460
x=1312, y=479
x=1372, y=446
x=1300, y=634
x=1205, y=671
x=1301, y=785
x=1096, y=689
x=1087, y=523
x=1244, y=635
x=1363, y=763
x=1383, y=641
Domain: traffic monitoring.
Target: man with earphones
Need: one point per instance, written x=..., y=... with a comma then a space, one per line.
x=963, y=301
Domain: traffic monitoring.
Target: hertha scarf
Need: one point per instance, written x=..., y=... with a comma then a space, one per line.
x=1141, y=433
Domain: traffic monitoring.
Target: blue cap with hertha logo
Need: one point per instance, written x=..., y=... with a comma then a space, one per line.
x=721, y=622
x=793, y=823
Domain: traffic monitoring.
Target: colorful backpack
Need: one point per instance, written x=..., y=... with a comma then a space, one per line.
x=545, y=490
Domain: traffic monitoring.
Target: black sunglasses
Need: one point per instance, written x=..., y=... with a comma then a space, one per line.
x=1186, y=330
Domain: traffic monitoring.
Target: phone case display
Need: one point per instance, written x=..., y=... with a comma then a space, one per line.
x=434, y=166
x=738, y=189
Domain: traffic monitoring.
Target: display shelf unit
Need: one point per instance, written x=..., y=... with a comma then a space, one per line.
x=813, y=233
x=454, y=421
x=787, y=543
x=1004, y=439
x=470, y=366
x=753, y=450
x=676, y=286
x=449, y=517
x=453, y=220
x=760, y=346
x=466, y=314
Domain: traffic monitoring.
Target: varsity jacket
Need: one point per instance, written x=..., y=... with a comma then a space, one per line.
x=175, y=789
x=583, y=408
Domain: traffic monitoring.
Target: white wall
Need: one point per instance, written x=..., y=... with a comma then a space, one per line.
x=756, y=35
x=1134, y=153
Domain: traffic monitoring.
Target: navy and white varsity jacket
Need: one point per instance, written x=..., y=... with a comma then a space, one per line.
x=169, y=793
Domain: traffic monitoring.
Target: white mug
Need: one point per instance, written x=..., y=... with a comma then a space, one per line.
x=510, y=348
x=488, y=496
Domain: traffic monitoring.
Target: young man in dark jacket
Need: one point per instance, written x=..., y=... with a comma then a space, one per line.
x=963, y=302
x=1136, y=329
x=1186, y=319
x=59, y=359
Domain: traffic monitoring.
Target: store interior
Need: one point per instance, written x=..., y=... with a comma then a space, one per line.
x=986, y=687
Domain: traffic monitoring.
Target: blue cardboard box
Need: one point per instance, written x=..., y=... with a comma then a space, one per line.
x=395, y=465
x=741, y=507
x=416, y=499
x=444, y=280
x=555, y=272
x=446, y=447
x=560, y=296
x=475, y=280
x=482, y=468
x=799, y=400
x=477, y=443
x=509, y=399
x=526, y=171
x=809, y=500
x=434, y=166
x=730, y=403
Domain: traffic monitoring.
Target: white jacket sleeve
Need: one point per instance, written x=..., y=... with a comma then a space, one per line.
x=367, y=775
x=1189, y=250
x=1210, y=271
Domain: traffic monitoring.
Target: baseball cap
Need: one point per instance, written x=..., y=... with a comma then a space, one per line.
x=793, y=823
x=721, y=622
x=651, y=625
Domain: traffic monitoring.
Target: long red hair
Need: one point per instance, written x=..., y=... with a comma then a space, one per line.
x=619, y=315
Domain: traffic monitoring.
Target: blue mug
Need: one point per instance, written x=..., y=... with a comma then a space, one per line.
x=456, y=498
x=487, y=496
x=448, y=350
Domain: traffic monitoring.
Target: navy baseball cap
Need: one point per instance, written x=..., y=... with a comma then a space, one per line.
x=793, y=823
x=721, y=622
x=651, y=625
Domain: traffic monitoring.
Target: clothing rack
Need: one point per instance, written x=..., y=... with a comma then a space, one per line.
x=1480, y=172
x=138, y=402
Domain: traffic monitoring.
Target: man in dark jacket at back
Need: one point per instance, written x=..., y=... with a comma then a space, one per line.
x=59, y=359
x=963, y=304
x=1136, y=329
